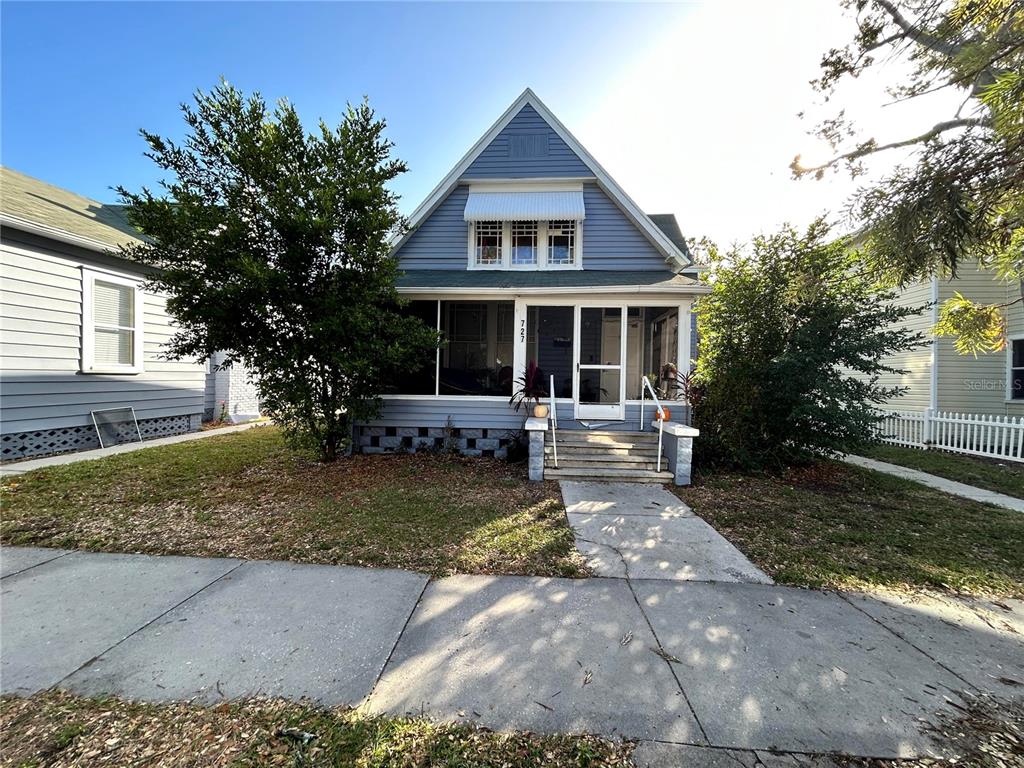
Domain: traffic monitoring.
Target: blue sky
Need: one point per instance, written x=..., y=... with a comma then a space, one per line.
x=439, y=73
x=692, y=106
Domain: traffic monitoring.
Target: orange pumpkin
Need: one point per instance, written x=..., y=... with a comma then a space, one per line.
x=663, y=415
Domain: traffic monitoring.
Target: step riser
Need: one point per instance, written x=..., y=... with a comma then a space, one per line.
x=601, y=458
x=608, y=446
x=598, y=468
x=652, y=477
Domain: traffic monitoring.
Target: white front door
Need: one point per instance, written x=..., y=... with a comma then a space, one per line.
x=600, y=384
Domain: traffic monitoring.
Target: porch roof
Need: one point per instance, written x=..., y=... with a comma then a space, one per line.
x=543, y=281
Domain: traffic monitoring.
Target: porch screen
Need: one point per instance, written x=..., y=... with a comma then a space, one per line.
x=549, y=332
x=652, y=344
x=422, y=380
x=477, y=356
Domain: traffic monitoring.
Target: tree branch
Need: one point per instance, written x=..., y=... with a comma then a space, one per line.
x=916, y=33
x=871, y=149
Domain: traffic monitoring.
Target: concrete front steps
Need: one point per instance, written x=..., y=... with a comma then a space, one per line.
x=605, y=455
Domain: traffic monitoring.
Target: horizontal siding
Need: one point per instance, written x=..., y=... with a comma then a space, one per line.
x=495, y=163
x=917, y=363
x=40, y=345
x=610, y=240
x=442, y=240
x=493, y=414
x=969, y=384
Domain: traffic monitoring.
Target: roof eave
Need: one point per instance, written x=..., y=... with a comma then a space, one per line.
x=55, y=233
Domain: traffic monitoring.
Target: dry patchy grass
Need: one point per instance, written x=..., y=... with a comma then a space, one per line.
x=58, y=730
x=246, y=495
x=833, y=525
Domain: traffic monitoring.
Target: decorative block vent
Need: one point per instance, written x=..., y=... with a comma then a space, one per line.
x=45, y=442
x=468, y=442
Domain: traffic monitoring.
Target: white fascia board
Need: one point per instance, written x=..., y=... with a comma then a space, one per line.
x=604, y=180
x=53, y=233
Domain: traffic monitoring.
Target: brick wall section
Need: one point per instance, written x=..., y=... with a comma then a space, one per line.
x=234, y=391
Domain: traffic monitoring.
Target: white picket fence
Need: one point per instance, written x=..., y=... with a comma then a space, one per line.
x=997, y=437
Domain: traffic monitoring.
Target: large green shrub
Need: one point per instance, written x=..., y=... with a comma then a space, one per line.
x=273, y=244
x=793, y=341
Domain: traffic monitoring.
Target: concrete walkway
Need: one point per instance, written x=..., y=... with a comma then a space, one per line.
x=675, y=664
x=21, y=467
x=641, y=531
x=939, y=483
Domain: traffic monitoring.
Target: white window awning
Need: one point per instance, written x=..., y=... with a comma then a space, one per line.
x=525, y=206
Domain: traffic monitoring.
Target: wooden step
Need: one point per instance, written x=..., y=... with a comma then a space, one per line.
x=629, y=458
x=605, y=473
x=605, y=443
x=600, y=450
x=603, y=464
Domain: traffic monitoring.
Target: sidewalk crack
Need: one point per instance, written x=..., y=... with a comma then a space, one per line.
x=917, y=648
x=662, y=651
x=394, y=647
x=147, y=624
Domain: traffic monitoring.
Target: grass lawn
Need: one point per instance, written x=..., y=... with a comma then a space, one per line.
x=993, y=475
x=55, y=728
x=834, y=525
x=246, y=495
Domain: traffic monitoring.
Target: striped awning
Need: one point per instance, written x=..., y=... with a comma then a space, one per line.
x=524, y=206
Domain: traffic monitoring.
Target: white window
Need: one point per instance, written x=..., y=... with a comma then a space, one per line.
x=111, y=323
x=488, y=243
x=1015, y=372
x=524, y=243
x=562, y=243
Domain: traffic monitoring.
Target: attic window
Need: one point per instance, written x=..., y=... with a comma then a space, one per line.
x=488, y=243
x=527, y=145
x=562, y=243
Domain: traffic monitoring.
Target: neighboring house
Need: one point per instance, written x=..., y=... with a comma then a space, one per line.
x=938, y=378
x=78, y=333
x=529, y=251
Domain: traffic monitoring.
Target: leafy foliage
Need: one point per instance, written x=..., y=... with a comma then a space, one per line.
x=273, y=245
x=529, y=387
x=794, y=337
x=961, y=197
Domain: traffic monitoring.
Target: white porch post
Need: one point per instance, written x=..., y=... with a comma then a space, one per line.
x=683, y=359
x=519, y=343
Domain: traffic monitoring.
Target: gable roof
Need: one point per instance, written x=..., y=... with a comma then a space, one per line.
x=679, y=257
x=32, y=205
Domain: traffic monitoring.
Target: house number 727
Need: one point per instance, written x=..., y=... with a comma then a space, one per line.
x=522, y=329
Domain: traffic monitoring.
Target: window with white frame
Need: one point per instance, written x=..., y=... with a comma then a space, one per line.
x=1015, y=377
x=111, y=323
x=488, y=243
x=524, y=243
x=562, y=243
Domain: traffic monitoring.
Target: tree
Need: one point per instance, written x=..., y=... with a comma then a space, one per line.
x=273, y=245
x=793, y=341
x=961, y=196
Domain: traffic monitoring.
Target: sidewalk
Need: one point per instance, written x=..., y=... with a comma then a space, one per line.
x=21, y=467
x=939, y=483
x=739, y=666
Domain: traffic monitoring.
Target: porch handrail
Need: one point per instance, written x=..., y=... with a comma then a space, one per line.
x=553, y=416
x=660, y=410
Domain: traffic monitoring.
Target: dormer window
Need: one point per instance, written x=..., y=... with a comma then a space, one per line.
x=524, y=243
x=562, y=243
x=488, y=243
x=525, y=225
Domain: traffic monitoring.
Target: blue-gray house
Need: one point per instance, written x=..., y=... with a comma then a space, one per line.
x=529, y=251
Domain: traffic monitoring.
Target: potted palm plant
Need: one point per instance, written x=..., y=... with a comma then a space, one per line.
x=530, y=389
